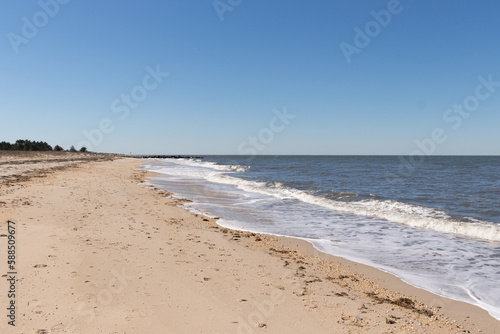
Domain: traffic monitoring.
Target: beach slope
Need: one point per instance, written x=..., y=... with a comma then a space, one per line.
x=99, y=252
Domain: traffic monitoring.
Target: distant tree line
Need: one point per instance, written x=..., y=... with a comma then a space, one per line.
x=29, y=145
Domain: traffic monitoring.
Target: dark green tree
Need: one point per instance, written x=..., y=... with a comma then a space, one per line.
x=5, y=146
x=26, y=145
x=19, y=145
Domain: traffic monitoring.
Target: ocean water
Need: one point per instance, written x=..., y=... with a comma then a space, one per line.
x=434, y=222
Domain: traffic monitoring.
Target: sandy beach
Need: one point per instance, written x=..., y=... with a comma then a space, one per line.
x=97, y=251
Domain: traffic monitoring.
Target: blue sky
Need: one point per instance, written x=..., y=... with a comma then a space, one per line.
x=228, y=78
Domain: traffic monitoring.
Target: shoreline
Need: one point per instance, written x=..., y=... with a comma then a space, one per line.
x=377, y=275
x=457, y=310
x=454, y=309
x=101, y=253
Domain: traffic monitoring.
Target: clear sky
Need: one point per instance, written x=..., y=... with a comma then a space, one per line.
x=359, y=77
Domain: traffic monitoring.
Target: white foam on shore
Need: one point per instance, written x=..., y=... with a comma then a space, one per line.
x=394, y=211
x=461, y=269
x=390, y=210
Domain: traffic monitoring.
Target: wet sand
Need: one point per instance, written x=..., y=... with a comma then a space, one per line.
x=99, y=252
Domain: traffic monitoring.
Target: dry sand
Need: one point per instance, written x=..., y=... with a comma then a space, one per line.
x=18, y=166
x=99, y=253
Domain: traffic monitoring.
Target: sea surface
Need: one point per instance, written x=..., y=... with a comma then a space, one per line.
x=434, y=221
